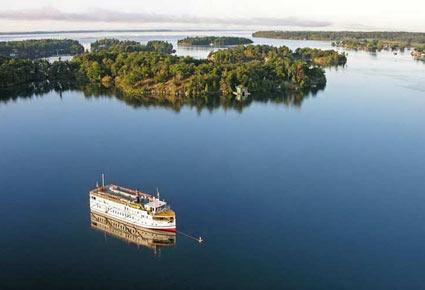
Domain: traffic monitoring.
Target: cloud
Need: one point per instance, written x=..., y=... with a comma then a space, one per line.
x=108, y=16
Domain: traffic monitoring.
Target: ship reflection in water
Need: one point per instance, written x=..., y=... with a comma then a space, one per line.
x=151, y=239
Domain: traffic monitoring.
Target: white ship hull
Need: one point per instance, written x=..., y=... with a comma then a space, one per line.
x=128, y=214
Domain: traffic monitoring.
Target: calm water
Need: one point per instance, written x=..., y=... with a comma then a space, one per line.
x=326, y=194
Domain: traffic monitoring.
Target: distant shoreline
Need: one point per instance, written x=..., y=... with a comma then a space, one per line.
x=181, y=30
x=116, y=30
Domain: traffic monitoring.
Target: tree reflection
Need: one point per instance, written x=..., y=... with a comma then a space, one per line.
x=209, y=103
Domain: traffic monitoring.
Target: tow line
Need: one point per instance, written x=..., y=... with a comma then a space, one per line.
x=199, y=240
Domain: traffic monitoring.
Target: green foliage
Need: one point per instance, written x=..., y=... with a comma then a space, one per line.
x=150, y=70
x=260, y=68
x=40, y=48
x=409, y=37
x=358, y=40
x=371, y=44
x=115, y=45
x=321, y=57
x=213, y=41
x=15, y=72
x=160, y=46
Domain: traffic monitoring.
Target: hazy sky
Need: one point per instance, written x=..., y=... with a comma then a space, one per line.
x=30, y=15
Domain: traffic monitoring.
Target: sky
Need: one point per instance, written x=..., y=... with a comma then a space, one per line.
x=50, y=15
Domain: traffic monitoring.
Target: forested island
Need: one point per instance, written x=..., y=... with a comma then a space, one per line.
x=40, y=48
x=371, y=45
x=358, y=40
x=215, y=41
x=260, y=68
x=321, y=57
x=115, y=45
x=158, y=74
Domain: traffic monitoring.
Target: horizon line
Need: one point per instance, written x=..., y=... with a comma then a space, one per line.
x=183, y=30
x=113, y=30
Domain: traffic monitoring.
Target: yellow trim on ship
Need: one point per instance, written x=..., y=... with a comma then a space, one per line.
x=167, y=213
x=134, y=205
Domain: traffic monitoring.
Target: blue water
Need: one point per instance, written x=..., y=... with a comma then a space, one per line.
x=326, y=194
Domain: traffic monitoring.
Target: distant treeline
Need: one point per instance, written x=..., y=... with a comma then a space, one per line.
x=213, y=41
x=155, y=72
x=370, y=41
x=40, y=48
x=115, y=45
x=410, y=37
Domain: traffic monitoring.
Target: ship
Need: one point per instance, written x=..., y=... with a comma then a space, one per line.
x=132, y=206
x=154, y=240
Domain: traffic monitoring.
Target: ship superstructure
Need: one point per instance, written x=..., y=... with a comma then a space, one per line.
x=133, y=207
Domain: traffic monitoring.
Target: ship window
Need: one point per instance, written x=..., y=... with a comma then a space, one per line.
x=93, y=197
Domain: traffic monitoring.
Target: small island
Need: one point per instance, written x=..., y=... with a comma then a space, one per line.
x=259, y=68
x=40, y=48
x=356, y=40
x=115, y=45
x=214, y=41
x=157, y=73
x=372, y=45
x=321, y=57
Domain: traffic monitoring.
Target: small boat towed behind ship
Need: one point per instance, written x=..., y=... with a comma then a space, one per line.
x=133, y=207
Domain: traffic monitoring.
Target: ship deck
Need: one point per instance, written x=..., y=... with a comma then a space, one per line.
x=124, y=193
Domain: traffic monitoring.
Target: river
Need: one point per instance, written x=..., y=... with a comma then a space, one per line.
x=325, y=191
